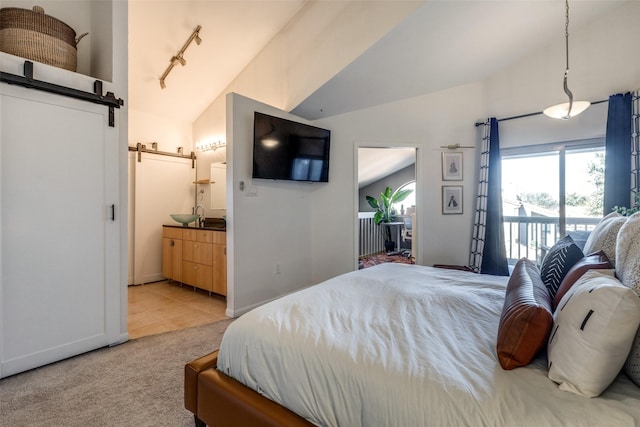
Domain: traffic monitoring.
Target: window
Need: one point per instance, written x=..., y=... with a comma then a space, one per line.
x=549, y=191
x=410, y=201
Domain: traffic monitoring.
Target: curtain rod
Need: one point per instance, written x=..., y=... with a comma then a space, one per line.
x=534, y=114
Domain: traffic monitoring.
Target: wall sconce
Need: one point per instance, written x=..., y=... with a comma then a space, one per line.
x=179, y=57
x=209, y=144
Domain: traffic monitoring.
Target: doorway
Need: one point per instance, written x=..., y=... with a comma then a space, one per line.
x=379, y=167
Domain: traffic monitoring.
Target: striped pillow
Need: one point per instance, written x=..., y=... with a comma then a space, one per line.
x=557, y=263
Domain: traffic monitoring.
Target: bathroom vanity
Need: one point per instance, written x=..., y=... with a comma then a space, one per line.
x=195, y=256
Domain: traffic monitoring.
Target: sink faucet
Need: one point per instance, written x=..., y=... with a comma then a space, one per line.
x=200, y=217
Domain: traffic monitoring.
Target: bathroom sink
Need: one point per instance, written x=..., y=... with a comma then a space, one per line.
x=184, y=219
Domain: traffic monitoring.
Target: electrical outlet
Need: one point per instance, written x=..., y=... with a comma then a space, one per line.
x=278, y=268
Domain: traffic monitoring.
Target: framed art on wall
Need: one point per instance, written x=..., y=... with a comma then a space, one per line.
x=451, y=199
x=451, y=166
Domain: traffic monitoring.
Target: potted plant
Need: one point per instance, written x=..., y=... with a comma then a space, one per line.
x=624, y=211
x=385, y=212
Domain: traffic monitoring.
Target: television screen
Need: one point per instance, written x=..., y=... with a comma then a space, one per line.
x=287, y=150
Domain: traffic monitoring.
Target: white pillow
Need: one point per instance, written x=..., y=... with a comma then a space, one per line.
x=594, y=327
x=628, y=253
x=604, y=236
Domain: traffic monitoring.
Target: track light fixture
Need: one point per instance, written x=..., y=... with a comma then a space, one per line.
x=179, y=57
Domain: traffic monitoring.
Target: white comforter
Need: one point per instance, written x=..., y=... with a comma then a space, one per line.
x=403, y=345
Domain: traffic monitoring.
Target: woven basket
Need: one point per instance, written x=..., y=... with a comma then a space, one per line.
x=39, y=37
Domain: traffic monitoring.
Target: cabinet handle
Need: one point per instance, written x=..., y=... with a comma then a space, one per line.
x=195, y=267
x=113, y=212
x=172, y=243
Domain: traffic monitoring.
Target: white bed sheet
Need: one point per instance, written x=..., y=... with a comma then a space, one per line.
x=404, y=345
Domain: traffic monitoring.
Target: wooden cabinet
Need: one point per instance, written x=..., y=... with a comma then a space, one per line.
x=172, y=253
x=219, y=266
x=196, y=257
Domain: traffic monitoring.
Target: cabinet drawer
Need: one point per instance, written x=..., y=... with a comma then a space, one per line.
x=204, y=236
x=197, y=275
x=189, y=234
x=198, y=252
x=172, y=232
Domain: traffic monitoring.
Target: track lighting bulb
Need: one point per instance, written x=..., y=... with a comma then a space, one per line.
x=198, y=39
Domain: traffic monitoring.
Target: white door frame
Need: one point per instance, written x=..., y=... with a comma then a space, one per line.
x=417, y=237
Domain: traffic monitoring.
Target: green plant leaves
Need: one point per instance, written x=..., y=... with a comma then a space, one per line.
x=384, y=207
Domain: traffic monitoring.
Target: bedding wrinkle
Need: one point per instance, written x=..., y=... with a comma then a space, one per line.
x=401, y=345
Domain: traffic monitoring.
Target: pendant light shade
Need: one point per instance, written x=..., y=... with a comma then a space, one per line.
x=571, y=108
x=562, y=111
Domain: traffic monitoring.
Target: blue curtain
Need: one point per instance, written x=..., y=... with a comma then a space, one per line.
x=494, y=257
x=617, y=164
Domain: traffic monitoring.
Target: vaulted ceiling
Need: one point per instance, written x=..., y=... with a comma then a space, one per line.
x=444, y=43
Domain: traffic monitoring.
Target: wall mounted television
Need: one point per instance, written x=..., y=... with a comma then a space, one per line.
x=289, y=151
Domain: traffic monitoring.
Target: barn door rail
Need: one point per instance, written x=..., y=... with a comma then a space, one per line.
x=142, y=148
x=96, y=97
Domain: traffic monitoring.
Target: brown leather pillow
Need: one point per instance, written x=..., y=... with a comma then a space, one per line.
x=595, y=261
x=526, y=318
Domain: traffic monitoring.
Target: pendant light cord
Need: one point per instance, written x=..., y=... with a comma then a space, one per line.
x=566, y=71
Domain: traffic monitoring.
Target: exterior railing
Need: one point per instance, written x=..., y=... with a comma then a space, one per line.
x=531, y=236
x=371, y=238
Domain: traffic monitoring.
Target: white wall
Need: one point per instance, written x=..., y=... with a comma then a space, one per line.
x=269, y=229
x=426, y=122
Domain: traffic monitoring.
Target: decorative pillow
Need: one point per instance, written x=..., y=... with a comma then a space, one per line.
x=628, y=253
x=604, y=236
x=596, y=261
x=594, y=327
x=632, y=365
x=526, y=318
x=557, y=263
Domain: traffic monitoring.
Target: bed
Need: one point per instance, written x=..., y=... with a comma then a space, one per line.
x=409, y=345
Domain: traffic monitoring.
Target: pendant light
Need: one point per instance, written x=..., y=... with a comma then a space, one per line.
x=571, y=108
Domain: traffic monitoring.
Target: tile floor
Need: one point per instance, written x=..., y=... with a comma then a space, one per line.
x=166, y=306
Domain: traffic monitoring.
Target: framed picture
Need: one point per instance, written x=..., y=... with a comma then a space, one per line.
x=451, y=166
x=451, y=199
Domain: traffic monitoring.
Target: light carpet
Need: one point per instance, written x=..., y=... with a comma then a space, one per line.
x=138, y=383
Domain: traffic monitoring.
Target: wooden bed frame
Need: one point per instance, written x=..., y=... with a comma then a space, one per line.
x=216, y=399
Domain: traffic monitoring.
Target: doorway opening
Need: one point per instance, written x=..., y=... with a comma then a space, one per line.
x=379, y=168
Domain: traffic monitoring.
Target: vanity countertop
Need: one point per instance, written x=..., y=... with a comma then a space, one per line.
x=192, y=227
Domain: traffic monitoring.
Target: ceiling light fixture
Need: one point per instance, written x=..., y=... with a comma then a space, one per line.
x=571, y=108
x=179, y=57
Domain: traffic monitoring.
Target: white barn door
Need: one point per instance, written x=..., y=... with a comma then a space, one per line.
x=59, y=253
x=163, y=186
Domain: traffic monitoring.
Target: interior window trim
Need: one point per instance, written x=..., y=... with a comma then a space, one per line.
x=552, y=148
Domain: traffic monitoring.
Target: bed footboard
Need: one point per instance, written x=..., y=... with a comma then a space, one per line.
x=218, y=400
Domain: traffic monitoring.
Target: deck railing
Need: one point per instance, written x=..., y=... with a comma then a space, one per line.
x=371, y=239
x=525, y=236
x=531, y=236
